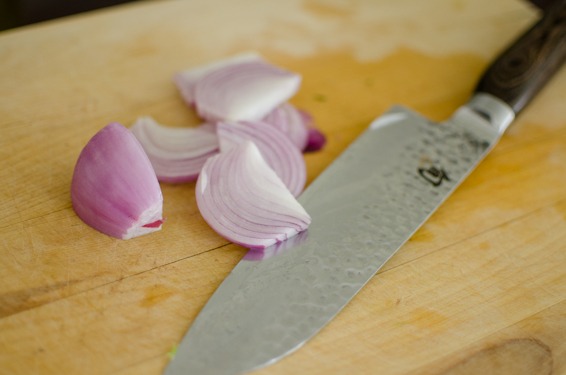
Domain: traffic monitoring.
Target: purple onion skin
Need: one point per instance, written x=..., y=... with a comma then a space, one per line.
x=315, y=141
x=114, y=188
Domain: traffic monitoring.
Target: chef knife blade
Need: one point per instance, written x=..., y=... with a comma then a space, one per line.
x=364, y=207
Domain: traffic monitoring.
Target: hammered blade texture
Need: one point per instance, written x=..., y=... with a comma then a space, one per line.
x=363, y=207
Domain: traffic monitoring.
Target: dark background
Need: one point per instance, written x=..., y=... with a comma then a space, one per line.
x=15, y=13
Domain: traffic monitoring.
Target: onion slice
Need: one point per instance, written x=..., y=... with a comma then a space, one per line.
x=244, y=91
x=114, y=188
x=177, y=154
x=276, y=148
x=187, y=79
x=244, y=201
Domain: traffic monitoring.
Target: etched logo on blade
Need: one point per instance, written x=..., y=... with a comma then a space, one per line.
x=434, y=175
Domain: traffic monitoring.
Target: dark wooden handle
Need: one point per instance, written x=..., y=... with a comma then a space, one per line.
x=523, y=69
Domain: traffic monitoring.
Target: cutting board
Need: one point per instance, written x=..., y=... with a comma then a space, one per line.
x=481, y=288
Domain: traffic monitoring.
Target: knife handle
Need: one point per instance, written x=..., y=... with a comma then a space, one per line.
x=519, y=73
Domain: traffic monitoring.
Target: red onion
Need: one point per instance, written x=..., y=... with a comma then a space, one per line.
x=276, y=148
x=186, y=79
x=241, y=88
x=244, y=201
x=177, y=154
x=114, y=188
x=246, y=192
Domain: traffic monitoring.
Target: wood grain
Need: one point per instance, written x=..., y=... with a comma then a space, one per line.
x=479, y=289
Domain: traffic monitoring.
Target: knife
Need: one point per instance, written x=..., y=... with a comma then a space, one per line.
x=364, y=207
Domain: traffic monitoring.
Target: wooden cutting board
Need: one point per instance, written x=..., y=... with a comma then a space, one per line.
x=481, y=288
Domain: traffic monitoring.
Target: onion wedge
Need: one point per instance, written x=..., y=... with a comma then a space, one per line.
x=244, y=201
x=276, y=148
x=187, y=79
x=176, y=154
x=114, y=188
x=244, y=87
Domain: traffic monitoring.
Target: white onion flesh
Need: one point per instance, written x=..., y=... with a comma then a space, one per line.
x=114, y=188
x=276, y=148
x=177, y=154
x=244, y=201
